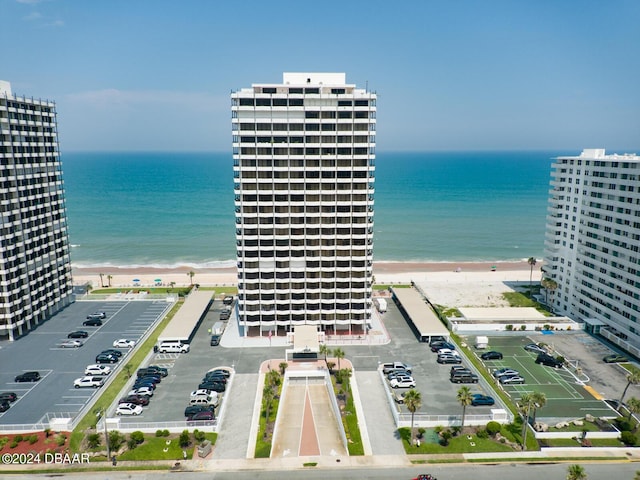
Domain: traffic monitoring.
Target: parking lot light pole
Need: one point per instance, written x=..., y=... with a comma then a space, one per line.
x=103, y=414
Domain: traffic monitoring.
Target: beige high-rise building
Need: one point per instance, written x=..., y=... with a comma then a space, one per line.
x=304, y=163
x=35, y=267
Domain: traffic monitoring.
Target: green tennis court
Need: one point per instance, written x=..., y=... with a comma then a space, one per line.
x=566, y=397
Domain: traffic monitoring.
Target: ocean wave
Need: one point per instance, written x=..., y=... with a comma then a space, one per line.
x=159, y=266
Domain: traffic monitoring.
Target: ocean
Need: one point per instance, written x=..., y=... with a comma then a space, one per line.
x=173, y=209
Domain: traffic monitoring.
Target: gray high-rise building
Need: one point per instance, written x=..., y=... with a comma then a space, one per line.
x=35, y=267
x=304, y=161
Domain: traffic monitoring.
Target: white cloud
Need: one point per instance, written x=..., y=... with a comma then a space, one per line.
x=29, y=2
x=32, y=16
x=55, y=23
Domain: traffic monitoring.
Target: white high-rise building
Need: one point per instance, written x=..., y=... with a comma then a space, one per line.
x=35, y=267
x=592, y=243
x=303, y=154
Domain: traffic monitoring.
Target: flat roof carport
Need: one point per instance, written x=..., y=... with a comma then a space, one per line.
x=182, y=325
x=420, y=314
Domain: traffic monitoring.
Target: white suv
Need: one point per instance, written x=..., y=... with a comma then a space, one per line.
x=403, y=383
x=97, y=370
x=84, y=382
x=173, y=347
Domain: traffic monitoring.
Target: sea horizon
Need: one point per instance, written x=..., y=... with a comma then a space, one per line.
x=170, y=209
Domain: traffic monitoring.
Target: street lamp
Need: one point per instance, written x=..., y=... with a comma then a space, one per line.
x=102, y=413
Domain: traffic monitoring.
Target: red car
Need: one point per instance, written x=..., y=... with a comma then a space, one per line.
x=141, y=400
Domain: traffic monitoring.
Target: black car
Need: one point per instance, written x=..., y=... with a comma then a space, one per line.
x=215, y=378
x=156, y=372
x=141, y=400
x=438, y=345
x=8, y=397
x=227, y=300
x=491, y=355
x=479, y=399
x=215, y=340
x=225, y=315
x=106, y=358
x=207, y=416
x=78, y=334
x=112, y=352
x=193, y=409
x=150, y=377
x=219, y=371
x=94, y=322
x=145, y=382
x=155, y=369
x=214, y=386
x=28, y=377
x=4, y=406
x=548, y=360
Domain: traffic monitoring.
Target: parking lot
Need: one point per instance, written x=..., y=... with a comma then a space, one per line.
x=40, y=350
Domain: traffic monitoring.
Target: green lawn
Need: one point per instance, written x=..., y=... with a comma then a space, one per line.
x=457, y=444
x=154, y=448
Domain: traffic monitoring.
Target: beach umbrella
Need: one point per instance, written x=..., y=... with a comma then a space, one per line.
x=136, y=280
x=158, y=280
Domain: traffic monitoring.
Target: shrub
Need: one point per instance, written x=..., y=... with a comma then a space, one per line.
x=3, y=442
x=628, y=438
x=523, y=327
x=131, y=444
x=13, y=444
x=185, y=439
x=445, y=436
x=137, y=437
x=47, y=432
x=60, y=439
x=199, y=436
x=159, y=433
x=18, y=438
x=116, y=439
x=421, y=432
x=94, y=440
x=623, y=424
x=508, y=328
x=482, y=433
x=33, y=439
x=493, y=428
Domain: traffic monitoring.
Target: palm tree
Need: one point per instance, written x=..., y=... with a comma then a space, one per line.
x=413, y=402
x=101, y=279
x=539, y=401
x=109, y=278
x=338, y=353
x=532, y=263
x=268, y=395
x=633, y=405
x=633, y=378
x=325, y=350
x=527, y=402
x=172, y=284
x=464, y=398
x=576, y=472
x=191, y=274
x=549, y=285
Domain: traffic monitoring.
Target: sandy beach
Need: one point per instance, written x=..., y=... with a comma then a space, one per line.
x=454, y=284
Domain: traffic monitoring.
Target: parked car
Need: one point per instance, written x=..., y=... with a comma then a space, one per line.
x=8, y=397
x=156, y=369
x=615, y=358
x=435, y=346
x=213, y=386
x=205, y=416
x=142, y=400
x=128, y=409
x=464, y=377
x=402, y=383
x=458, y=368
x=395, y=366
x=399, y=397
x=225, y=315
x=71, y=344
x=97, y=370
x=510, y=380
x=215, y=340
x=106, y=358
x=146, y=391
x=202, y=392
x=220, y=371
x=124, y=343
x=78, y=334
x=449, y=359
x=99, y=315
x=535, y=348
x=94, y=322
x=398, y=373
x=113, y=352
x=4, y=406
x=193, y=409
x=505, y=371
x=227, y=300
x=448, y=351
x=88, y=381
x=145, y=382
x=28, y=377
x=479, y=399
x=402, y=378
x=215, y=377
x=491, y=355
x=548, y=360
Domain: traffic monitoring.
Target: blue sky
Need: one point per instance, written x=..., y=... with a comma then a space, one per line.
x=450, y=74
